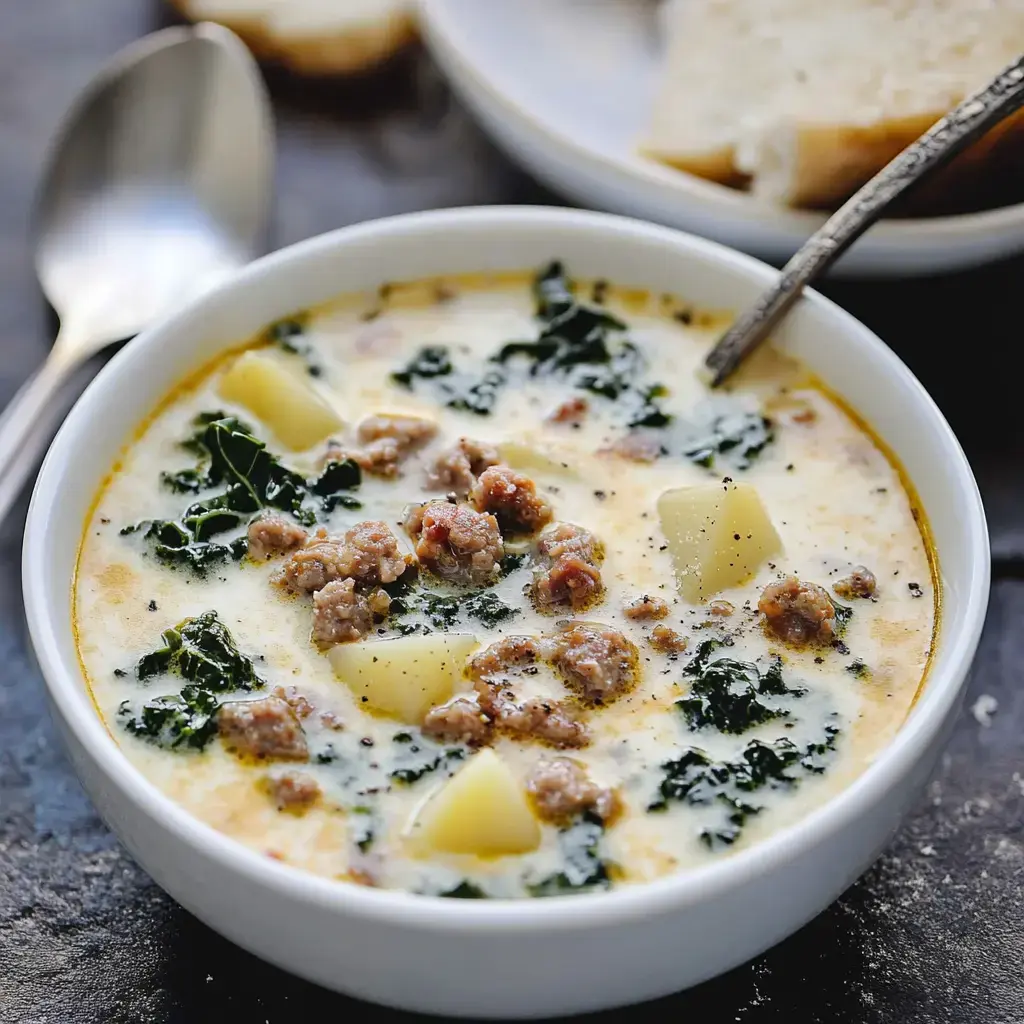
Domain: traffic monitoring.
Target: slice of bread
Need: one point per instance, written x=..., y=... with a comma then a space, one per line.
x=806, y=100
x=313, y=37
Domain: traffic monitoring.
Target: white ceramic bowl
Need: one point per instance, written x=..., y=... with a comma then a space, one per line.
x=565, y=86
x=504, y=958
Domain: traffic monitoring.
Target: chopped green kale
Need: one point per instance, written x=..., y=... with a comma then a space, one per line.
x=478, y=398
x=335, y=482
x=234, y=459
x=419, y=756
x=583, y=867
x=694, y=778
x=583, y=344
x=726, y=693
x=464, y=891
x=513, y=560
x=202, y=651
x=364, y=827
x=176, y=720
x=430, y=362
x=289, y=334
x=738, y=437
x=443, y=611
x=843, y=615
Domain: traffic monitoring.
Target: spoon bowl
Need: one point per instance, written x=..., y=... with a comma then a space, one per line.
x=156, y=189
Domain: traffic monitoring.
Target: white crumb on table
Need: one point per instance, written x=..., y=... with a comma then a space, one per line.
x=983, y=709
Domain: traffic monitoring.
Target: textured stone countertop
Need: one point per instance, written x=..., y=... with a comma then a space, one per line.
x=934, y=933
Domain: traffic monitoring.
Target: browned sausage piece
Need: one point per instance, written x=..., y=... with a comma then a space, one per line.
x=569, y=574
x=637, y=446
x=455, y=542
x=566, y=540
x=667, y=640
x=304, y=707
x=860, y=583
x=458, y=721
x=646, y=607
x=341, y=614
x=561, y=789
x=408, y=432
x=386, y=441
x=547, y=721
x=598, y=662
x=367, y=553
x=299, y=703
x=272, y=535
x=504, y=657
x=798, y=612
x=292, y=791
x=456, y=469
x=572, y=410
x=512, y=498
x=267, y=729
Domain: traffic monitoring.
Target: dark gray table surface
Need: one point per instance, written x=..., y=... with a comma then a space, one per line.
x=934, y=933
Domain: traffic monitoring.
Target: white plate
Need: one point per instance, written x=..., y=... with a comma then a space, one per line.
x=564, y=85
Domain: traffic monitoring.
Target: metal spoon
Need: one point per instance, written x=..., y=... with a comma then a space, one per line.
x=157, y=187
x=1003, y=96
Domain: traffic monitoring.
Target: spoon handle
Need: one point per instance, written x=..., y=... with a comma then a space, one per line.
x=22, y=440
x=961, y=126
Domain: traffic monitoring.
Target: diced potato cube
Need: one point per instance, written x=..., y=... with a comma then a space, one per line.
x=481, y=810
x=534, y=458
x=280, y=399
x=405, y=676
x=718, y=535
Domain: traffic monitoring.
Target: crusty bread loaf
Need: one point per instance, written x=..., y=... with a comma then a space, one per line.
x=313, y=37
x=805, y=100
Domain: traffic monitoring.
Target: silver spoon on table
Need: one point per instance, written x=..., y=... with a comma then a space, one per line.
x=1003, y=96
x=157, y=187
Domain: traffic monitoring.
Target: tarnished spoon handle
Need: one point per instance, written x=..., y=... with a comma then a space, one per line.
x=26, y=425
x=959, y=128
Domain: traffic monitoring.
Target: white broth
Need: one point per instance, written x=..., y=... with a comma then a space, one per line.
x=736, y=622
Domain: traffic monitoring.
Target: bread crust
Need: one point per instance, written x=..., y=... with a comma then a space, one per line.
x=351, y=50
x=820, y=166
x=715, y=165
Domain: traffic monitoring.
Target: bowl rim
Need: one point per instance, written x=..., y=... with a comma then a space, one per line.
x=434, y=913
x=722, y=200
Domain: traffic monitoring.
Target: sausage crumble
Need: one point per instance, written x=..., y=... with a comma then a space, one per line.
x=798, y=612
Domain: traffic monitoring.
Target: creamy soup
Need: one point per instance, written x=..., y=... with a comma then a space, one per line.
x=471, y=587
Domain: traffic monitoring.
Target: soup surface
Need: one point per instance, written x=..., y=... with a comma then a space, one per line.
x=471, y=587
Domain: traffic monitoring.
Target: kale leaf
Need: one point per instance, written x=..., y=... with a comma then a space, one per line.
x=464, y=891
x=726, y=693
x=231, y=457
x=334, y=483
x=419, y=756
x=458, y=392
x=364, y=827
x=583, y=344
x=202, y=651
x=184, y=719
x=738, y=436
x=289, y=334
x=694, y=778
x=583, y=867
x=443, y=611
x=430, y=362
x=478, y=398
